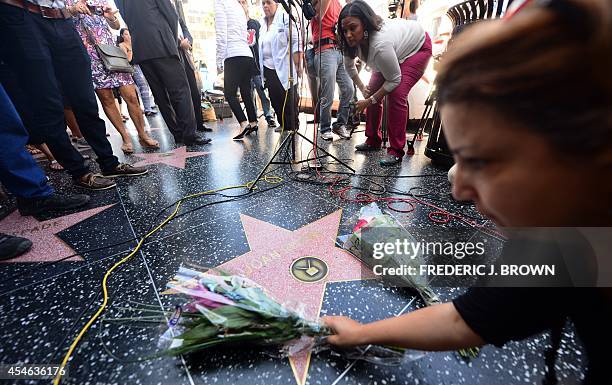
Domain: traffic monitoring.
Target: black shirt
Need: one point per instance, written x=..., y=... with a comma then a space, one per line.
x=505, y=309
x=499, y=315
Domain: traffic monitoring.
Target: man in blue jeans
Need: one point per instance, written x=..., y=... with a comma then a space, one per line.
x=20, y=174
x=329, y=66
x=43, y=50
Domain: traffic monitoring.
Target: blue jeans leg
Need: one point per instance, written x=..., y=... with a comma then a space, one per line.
x=345, y=86
x=329, y=65
x=257, y=84
x=143, y=89
x=326, y=64
x=19, y=173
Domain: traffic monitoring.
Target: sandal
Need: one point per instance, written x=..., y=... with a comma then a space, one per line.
x=127, y=148
x=149, y=143
x=54, y=166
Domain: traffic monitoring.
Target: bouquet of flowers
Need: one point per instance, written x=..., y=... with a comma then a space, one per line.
x=375, y=227
x=226, y=309
x=229, y=309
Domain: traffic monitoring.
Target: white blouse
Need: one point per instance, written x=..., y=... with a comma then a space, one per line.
x=278, y=35
x=231, y=30
x=266, y=37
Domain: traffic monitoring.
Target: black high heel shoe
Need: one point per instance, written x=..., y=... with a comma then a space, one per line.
x=247, y=130
x=254, y=129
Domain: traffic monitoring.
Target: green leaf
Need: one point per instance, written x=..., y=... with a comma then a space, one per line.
x=237, y=318
x=200, y=332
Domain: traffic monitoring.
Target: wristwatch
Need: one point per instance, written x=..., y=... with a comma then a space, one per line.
x=373, y=100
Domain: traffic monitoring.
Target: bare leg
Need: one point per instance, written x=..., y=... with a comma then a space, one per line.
x=72, y=123
x=45, y=150
x=110, y=109
x=128, y=93
x=53, y=165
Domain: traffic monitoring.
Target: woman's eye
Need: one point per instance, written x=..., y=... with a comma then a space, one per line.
x=475, y=163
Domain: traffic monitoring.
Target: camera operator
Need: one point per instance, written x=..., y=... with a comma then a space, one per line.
x=329, y=66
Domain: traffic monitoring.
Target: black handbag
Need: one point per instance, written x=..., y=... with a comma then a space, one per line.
x=113, y=58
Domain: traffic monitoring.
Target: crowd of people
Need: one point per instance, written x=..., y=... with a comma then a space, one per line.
x=397, y=51
x=521, y=75
x=52, y=69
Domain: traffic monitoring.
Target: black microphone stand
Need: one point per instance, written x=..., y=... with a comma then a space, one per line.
x=290, y=139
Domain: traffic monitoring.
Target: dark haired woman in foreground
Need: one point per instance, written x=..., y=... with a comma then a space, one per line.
x=512, y=93
x=397, y=51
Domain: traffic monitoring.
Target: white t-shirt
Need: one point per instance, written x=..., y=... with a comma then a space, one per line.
x=266, y=37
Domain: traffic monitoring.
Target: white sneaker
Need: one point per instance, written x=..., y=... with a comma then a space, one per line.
x=341, y=131
x=327, y=135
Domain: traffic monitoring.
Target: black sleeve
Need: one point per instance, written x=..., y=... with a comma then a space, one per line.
x=169, y=13
x=499, y=315
x=253, y=24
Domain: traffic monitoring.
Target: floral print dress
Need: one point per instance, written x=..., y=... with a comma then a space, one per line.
x=102, y=34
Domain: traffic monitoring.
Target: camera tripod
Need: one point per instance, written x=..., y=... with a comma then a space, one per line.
x=292, y=134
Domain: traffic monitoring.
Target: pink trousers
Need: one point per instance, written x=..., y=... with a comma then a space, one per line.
x=412, y=70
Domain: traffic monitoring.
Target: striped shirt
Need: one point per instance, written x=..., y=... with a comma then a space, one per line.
x=231, y=29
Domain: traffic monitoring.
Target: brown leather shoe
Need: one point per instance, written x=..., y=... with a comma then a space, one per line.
x=124, y=169
x=93, y=181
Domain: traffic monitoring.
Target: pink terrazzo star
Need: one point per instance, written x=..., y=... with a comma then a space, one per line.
x=46, y=246
x=175, y=158
x=270, y=263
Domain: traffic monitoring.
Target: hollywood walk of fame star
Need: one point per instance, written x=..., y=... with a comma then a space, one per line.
x=295, y=266
x=46, y=246
x=175, y=158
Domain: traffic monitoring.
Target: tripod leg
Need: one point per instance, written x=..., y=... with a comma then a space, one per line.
x=325, y=152
x=420, y=129
x=263, y=171
x=353, y=128
x=354, y=121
